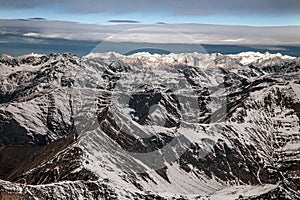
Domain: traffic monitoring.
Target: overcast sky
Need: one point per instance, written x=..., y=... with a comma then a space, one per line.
x=233, y=12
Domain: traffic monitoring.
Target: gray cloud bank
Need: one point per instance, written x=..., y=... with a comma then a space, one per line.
x=176, y=7
x=157, y=33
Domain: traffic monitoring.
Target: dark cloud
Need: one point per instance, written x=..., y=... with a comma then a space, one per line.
x=123, y=21
x=161, y=23
x=23, y=19
x=176, y=7
x=37, y=18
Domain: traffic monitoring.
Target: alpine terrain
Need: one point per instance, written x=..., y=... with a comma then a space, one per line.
x=149, y=126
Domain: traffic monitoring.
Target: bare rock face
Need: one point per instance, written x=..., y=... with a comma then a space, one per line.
x=103, y=126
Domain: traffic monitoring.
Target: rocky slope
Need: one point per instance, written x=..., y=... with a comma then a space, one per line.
x=181, y=126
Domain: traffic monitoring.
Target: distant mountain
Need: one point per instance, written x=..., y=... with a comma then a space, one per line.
x=150, y=126
x=149, y=50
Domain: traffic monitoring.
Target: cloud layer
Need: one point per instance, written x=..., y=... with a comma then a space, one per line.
x=157, y=33
x=175, y=7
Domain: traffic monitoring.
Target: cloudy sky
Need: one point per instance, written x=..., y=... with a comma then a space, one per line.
x=34, y=30
x=230, y=12
x=27, y=25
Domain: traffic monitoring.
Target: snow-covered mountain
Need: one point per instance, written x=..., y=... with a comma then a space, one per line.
x=177, y=126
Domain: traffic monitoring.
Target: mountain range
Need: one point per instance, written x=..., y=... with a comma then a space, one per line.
x=150, y=126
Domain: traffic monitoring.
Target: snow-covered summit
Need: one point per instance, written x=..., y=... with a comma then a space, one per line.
x=246, y=58
x=201, y=59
